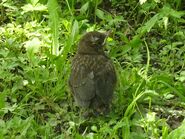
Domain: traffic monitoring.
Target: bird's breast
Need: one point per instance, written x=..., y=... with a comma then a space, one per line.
x=90, y=62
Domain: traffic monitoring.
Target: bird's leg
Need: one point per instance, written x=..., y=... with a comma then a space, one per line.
x=85, y=113
x=103, y=110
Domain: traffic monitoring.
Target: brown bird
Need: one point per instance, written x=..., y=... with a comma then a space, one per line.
x=93, y=78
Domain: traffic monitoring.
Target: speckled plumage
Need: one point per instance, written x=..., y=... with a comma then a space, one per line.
x=93, y=78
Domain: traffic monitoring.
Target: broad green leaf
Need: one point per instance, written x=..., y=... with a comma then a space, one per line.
x=75, y=30
x=168, y=11
x=30, y=8
x=142, y=1
x=40, y=7
x=157, y=1
x=181, y=77
x=100, y=13
x=151, y=117
x=33, y=45
x=126, y=48
x=149, y=24
x=53, y=8
x=165, y=20
x=34, y=2
x=84, y=8
x=178, y=133
x=135, y=42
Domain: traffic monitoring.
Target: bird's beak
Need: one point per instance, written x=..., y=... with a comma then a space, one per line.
x=107, y=34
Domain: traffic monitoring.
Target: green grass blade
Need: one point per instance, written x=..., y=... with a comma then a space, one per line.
x=54, y=25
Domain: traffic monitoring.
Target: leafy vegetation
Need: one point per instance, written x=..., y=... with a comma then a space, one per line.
x=38, y=38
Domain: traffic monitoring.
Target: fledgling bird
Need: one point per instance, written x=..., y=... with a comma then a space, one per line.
x=93, y=78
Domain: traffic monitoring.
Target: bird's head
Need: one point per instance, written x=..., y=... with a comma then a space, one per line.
x=92, y=42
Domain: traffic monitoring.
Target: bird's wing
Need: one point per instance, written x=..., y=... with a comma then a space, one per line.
x=105, y=82
x=82, y=84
